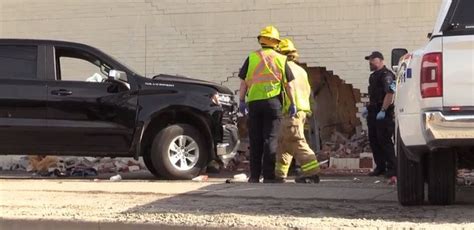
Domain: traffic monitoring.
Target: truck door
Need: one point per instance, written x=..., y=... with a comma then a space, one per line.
x=458, y=55
x=86, y=112
x=22, y=99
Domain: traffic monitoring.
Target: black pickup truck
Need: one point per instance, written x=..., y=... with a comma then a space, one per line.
x=64, y=98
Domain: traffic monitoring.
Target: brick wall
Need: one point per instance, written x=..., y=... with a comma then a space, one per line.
x=209, y=39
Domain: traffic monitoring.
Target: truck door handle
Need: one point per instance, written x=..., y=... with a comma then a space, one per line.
x=61, y=92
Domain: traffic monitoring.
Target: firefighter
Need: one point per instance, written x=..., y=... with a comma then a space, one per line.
x=380, y=117
x=291, y=140
x=264, y=74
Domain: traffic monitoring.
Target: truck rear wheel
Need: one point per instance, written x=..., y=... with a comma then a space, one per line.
x=410, y=182
x=441, y=177
x=179, y=152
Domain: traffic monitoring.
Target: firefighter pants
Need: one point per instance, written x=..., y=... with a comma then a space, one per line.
x=292, y=143
x=264, y=123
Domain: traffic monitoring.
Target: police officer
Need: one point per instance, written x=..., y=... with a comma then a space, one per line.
x=264, y=75
x=380, y=117
x=291, y=140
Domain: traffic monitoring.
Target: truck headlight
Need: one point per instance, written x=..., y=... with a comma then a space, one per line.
x=222, y=99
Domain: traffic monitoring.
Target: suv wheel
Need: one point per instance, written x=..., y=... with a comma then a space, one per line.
x=410, y=182
x=179, y=152
x=441, y=177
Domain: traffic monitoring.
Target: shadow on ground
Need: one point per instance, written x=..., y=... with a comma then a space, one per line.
x=211, y=200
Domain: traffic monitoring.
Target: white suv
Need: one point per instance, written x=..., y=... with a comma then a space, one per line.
x=434, y=107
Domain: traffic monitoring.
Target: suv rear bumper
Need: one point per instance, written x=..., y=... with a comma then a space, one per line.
x=441, y=130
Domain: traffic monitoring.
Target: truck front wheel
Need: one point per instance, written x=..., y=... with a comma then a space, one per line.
x=179, y=152
x=149, y=164
x=410, y=177
x=441, y=177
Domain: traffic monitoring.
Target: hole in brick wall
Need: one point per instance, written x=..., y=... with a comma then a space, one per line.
x=335, y=103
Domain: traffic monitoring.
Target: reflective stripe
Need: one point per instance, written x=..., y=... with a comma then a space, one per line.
x=265, y=74
x=260, y=79
x=310, y=166
x=266, y=64
x=282, y=167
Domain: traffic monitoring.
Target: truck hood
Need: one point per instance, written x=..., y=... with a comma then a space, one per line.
x=187, y=80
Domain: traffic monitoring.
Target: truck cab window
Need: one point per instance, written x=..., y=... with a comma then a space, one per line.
x=18, y=62
x=75, y=69
x=76, y=66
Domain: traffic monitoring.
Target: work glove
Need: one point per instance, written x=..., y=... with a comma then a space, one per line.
x=243, y=107
x=292, y=110
x=380, y=115
x=365, y=112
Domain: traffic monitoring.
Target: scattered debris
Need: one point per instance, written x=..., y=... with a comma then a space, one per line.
x=341, y=146
x=201, y=178
x=392, y=180
x=323, y=162
x=465, y=177
x=133, y=168
x=13, y=162
x=116, y=178
x=65, y=166
x=240, y=177
x=377, y=182
x=356, y=180
x=42, y=164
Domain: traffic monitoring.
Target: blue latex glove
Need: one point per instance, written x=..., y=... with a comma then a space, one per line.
x=243, y=107
x=380, y=115
x=365, y=112
x=292, y=110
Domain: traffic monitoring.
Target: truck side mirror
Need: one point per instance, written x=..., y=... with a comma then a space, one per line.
x=120, y=78
x=118, y=75
x=396, y=55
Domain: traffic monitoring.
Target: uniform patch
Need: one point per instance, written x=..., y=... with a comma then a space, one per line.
x=393, y=86
x=408, y=73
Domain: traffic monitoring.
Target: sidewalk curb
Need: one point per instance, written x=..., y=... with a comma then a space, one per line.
x=42, y=224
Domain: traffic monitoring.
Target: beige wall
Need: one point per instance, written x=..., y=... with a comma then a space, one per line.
x=209, y=39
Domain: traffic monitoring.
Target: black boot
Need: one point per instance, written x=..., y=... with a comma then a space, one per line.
x=377, y=172
x=308, y=180
x=254, y=180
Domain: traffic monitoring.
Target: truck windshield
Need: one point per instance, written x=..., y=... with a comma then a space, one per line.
x=460, y=16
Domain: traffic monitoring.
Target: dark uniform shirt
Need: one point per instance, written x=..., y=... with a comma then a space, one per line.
x=381, y=82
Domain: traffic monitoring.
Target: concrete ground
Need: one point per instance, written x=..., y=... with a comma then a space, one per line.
x=140, y=202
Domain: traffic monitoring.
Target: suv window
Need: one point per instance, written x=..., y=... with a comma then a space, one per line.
x=73, y=65
x=18, y=62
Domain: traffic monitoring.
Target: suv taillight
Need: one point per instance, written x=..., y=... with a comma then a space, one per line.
x=431, y=77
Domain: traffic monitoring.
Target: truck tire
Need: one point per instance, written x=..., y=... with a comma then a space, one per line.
x=178, y=152
x=149, y=164
x=441, y=177
x=411, y=183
